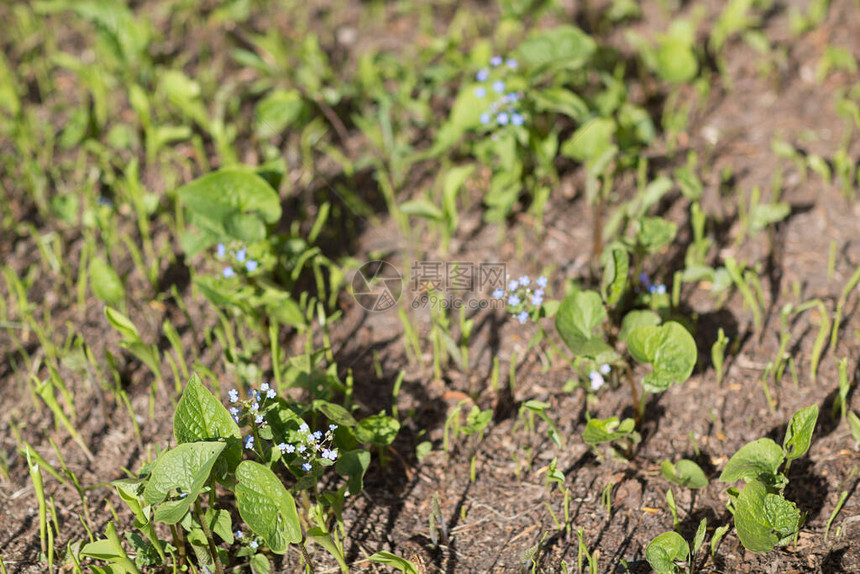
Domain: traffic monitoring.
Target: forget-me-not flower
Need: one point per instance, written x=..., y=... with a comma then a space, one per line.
x=513, y=300
x=541, y=281
x=597, y=380
x=221, y=251
x=482, y=75
x=524, y=281
x=240, y=255
x=228, y=272
x=522, y=317
x=498, y=293
x=249, y=442
x=496, y=61
x=481, y=92
x=498, y=86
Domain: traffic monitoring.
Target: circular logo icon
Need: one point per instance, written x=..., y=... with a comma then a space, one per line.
x=377, y=286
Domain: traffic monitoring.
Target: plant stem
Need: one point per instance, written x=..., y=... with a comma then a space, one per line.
x=198, y=511
x=637, y=407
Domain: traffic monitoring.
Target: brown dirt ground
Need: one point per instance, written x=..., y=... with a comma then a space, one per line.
x=505, y=511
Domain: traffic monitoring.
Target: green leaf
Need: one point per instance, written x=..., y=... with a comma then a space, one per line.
x=561, y=47
x=669, y=348
x=664, y=550
x=110, y=550
x=765, y=214
x=260, y=564
x=278, y=111
x=184, y=469
x=199, y=416
x=105, y=283
x=394, y=560
x=422, y=207
x=334, y=412
x=579, y=315
x=233, y=203
x=378, y=430
x=122, y=324
x=654, y=233
x=635, y=319
x=615, y=268
x=798, y=436
x=598, y=431
x=676, y=61
x=266, y=506
x=759, y=458
x=353, y=464
x=764, y=519
x=685, y=473
x=562, y=101
x=590, y=141
x=854, y=423
x=699, y=538
x=221, y=524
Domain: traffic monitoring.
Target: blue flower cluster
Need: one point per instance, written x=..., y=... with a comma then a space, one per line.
x=239, y=256
x=311, y=446
x=653, y=288
x=520, y=297
x=596, y=377
x=504, y=109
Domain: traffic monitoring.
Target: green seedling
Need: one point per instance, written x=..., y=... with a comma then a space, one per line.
x=174, y=488
x=684, y=473
x=763, y=517
x=669, y=552
x=718, y=350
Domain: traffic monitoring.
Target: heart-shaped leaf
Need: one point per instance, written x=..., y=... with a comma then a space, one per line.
x=266, y=506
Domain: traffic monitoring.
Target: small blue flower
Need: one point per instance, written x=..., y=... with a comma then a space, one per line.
x=513, y=300
x=306, y=466
x=498, y=293
x=537, y=300
x=304, y=428
x=645, y=280
x=234, y=395
x=228, y=272
x=258, y=420
x=513, y=285
x=512, y=98
x=239, y=534
x=236, y=419
x=524, y=281
x=596, y=379
x=240, y=255
x=300, y=448
x=329, y=454
x=522, y=317
x=249, y=442
x=251, y=265
x=512, y=64
x=318, y=435
x=234, y=411
x=502, y=118
x=221, y=251
x=482, y=75
x=332, y=427
x=661, y=289
x=605, y=368
x=539, y=292
x=481, y=92
x=254, y=544
x=270, y=394
x=496, y=61
x=541, y=281
x=485, y=118
x=498, y=86
x=517, y=119
x=255, y=407
x=264, y=387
